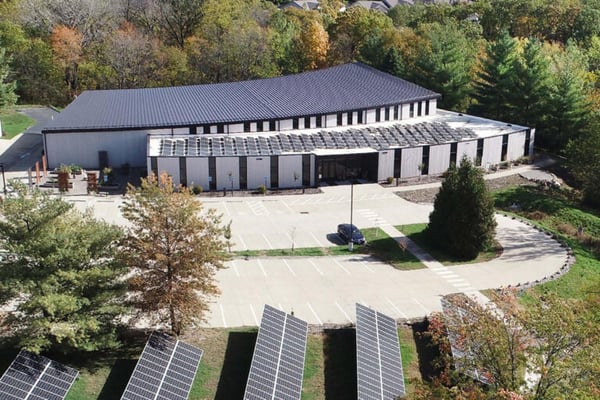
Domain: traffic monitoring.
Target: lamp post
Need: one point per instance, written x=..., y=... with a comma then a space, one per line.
x=3, y=179
x=351, y=243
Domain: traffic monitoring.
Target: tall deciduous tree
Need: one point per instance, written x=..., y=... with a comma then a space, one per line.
x=173, y=249
x=7, y=88
x=462, y=221
x=583, y=155
x=66, y=43
x=495, y=81
x=61, y=274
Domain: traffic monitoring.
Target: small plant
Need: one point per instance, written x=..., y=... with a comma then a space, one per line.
x=75, y=169
x=107, y=172
x=390, y=180
x=262, y=189
x=64, y=169
x=197, y=189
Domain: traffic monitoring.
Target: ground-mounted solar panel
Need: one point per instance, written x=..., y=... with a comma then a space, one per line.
x=278, y=361
x=33, y=377
x=165, y=370
x=378, y=360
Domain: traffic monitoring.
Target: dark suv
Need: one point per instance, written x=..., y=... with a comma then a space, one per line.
x=344, y=231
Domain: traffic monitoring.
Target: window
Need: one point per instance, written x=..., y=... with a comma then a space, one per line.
x=182, y=171
x=387, y=113
x=419, y=109
x=350, y=114
x=295, y=123
x=427, y=107
x=220, y=128
x=398, y=163
x=340, y=119
x=319, y=121
x=411, y=110
x=360, y=117
x=272, y=125
x=479, y=152
x=504, y=155
x=396, y=114
x=274, y=171
x=425, y=161
x=259, y=126
x=306, y=170
x=246, y=126
x=378, y=115
x=193, y=130
x=306, y=122
x=243, y=173
x=212, y=173
x=453, y=151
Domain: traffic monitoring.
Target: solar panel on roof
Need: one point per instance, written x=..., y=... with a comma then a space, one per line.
x=165, y=370
x=33, y=377
x=278, y=361
x=378, y=361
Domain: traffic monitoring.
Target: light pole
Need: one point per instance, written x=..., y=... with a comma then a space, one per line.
x=351, y=243
x=3, y=179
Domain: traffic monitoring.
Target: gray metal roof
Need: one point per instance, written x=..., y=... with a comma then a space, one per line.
x=374, y=137
x=342, y=88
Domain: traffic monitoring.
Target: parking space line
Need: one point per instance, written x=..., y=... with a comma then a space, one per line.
x=267, y=240
x=342, y=310
x=341, y=266
x=289, y=267
x=314, y=313
x=364, y=264
x=254, y=315
x=223, y=315
x=261, y=267
x=420, y=305
x=288, y=207
x=227, y=209
x=396, y=308
x=237, y=273
x=316, y=239
x=243, y=243
x=462, y=284
x=315, y=265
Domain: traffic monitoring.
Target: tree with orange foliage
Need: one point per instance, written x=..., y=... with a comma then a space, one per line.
x=66, y=45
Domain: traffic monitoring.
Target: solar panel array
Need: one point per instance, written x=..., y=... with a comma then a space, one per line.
x=376, y=137
x=378, y=360
x=33, y=377
x=278, y=361
x=461, y=352
x=165, y=370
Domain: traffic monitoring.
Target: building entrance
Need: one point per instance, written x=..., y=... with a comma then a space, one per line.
x=348, y=166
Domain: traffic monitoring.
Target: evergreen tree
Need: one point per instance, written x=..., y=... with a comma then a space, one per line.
x=569, y=110
x=7, y=89
x=60, y=273
x=173, y=252
x=445, y=65
x=583, y=157
x=496, y=79
x=532, y=85
x=462, y=222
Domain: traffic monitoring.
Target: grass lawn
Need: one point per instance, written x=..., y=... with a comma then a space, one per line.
x=14, y=123
x=415, y=233
x=329, y=371
x=554, y=211
x=379, y=245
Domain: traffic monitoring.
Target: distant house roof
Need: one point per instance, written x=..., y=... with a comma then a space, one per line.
x=341, y=88
x=302, y=4
x=372, y=5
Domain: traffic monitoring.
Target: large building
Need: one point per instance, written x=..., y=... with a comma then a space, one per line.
x=346, y=122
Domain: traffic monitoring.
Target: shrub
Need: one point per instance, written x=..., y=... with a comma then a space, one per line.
x=262, y=189
x=64, y=169
x=566, y=229
x=537, y=215
x=197, y=189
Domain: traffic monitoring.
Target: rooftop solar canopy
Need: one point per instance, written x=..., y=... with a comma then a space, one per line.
x=378, y=361
x=33, y=377
x=165, y=370
x=327, y=91
x=278, y=361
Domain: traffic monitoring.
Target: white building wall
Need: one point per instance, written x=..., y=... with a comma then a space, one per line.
x=225, y=166
x=197, y=172
x=313, y=122
x=180, y=131
x=411, y=159
x=330, y=120
x=405, y=111
x=355, y=117
x=432, y=107
x=82, y=148
x=492, y=151
x=345, y=119
x=286, y=124
x=290, y=166
x=235, y=128
x=466, y=149
x=385, y=167
x=516, y=145
x=258, y=169
x=439, y=159
x=170, y=165
x=253, y=126
x=370, y=116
